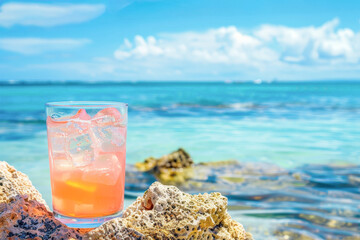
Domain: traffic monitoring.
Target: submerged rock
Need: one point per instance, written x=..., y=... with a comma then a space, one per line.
x=178, y=168
x=14, y=183
x=24, y=218
x=164, y=212
x=174, y=168
x=226, y=176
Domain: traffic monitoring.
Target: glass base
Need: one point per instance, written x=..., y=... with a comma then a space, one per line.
x=85, y=222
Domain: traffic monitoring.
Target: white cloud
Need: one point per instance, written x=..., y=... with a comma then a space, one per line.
x=46, y=15
x=40, y=45
x=323, y=44
x=267, y=45
x=222, y=45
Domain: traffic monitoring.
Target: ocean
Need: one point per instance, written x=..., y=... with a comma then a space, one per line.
x=307, y=127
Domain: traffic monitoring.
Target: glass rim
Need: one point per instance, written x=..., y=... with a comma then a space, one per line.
x=86, y=104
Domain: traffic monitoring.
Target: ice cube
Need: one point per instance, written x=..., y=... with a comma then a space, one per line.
x=82, y=208
x=68, y=124
x=109, y=138
x=82, y=115
x=62, y=168
x=57, y=139
x=58, y=203
x=106, y=169
x=69, y=138
x=108, y=116
x=57, y=119
x=80, y=122
x=55, y=122
x=62, y=164
x=77, y=127
x=79, y=149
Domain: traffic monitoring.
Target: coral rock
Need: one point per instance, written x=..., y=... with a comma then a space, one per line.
x=22, y=218
x=164, y=212
x=114, y=229
x=174, y=168
x=14, y=183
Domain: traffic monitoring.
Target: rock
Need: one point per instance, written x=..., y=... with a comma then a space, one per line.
x=219, y=163
x=14, y=183
x=174, y=168
x=177, y=159
x=164, y=212
x=114, y=229
x=24, y=218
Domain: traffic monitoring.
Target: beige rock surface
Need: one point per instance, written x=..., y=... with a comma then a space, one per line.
x=14, y=183
x=177, y=159
x=164, y=212
x=174, y=168
x=114, y=229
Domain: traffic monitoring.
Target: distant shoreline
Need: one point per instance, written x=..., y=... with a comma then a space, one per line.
x=142, y=82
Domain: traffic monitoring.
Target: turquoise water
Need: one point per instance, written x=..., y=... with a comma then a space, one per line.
x=291, y=125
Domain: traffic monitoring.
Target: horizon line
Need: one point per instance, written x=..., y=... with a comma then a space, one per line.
x=228, y=81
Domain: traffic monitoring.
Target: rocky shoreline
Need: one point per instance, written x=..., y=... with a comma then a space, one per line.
x=163, y=212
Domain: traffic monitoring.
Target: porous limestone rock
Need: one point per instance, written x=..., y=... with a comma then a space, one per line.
x=114, y=229
x=22, y=218
x=14, y=183
x=174, y=168
x=164, y=212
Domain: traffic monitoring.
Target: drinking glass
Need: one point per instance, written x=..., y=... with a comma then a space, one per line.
x=87, y=153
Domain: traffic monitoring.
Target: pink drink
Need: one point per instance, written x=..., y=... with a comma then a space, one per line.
x=87, y=163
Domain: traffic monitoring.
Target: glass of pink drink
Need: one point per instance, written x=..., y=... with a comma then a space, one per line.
x=87, y=153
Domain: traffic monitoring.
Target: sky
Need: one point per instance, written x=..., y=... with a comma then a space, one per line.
x=191, y=40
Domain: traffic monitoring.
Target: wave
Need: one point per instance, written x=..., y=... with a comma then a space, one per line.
x=237, y=105
x=246, y=106
x=202, y=109
x=59, y=82
x=29, y=117
x=197, y=106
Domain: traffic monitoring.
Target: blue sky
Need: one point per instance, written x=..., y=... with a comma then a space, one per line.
x=121, y=40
